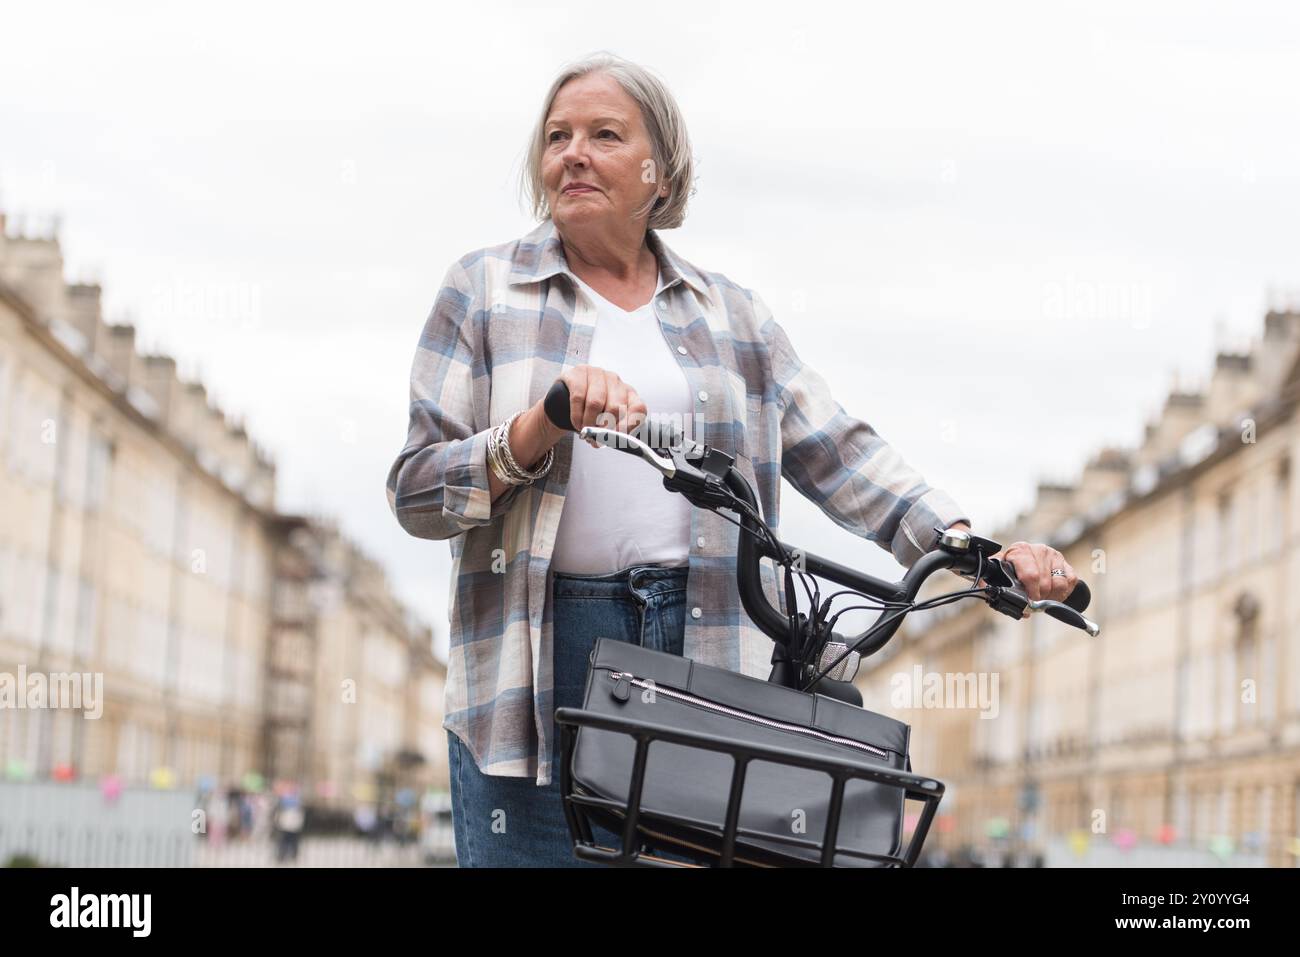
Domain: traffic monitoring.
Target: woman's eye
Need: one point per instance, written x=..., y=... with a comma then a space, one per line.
x=554, y=133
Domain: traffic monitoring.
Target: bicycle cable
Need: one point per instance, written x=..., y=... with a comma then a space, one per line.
x=935, y=602
x=929, y=603
x=771, y=538
x=800, y=651
x=795, y=644
x=885, y=605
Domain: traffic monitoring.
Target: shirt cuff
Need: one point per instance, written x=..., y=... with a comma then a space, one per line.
x=467, y=495
x=916, y=532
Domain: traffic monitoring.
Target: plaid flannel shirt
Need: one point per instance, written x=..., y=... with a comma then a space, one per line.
x=508, y=320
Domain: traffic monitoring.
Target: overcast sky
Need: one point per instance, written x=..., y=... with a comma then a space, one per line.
x=1008, y=226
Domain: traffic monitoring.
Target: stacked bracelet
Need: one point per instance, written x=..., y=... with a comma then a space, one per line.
x=503, y=462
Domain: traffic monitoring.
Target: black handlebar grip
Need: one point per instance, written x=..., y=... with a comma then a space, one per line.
x=556, y=406
x=1080, y=597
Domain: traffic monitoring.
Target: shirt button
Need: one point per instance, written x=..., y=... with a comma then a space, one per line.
x=695, y=612
x=700, y=541
x=704, y=396
x=681, y=350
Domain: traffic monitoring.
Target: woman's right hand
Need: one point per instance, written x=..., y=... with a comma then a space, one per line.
x=597, y=397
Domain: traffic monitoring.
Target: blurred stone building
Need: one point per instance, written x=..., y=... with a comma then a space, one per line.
x=354, y=697
x=139, y=539
x=1174, y=736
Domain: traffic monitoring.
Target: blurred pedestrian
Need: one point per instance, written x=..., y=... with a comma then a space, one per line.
x=287, y=821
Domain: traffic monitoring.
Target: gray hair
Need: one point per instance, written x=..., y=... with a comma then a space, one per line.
x=670, y=146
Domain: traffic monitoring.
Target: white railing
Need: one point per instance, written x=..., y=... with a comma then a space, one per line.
x=76, y=825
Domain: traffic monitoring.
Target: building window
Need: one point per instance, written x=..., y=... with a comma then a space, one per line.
x=1295, y=816
x=1223, y=824
x=1201, y=816
x=5, y=379
x=1183, y=692
x=98, y=455
x=1263, y=829
x=1227, y=538
x=1277, y=523
x=1246, y=611
x=1181, y=813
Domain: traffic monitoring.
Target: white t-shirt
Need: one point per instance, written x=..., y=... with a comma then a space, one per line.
x=616, y=510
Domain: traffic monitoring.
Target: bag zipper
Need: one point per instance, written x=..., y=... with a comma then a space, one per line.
x=624, y=680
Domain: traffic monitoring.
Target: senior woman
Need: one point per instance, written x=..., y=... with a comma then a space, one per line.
x=556, y=542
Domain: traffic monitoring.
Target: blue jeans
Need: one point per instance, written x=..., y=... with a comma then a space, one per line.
x=511, y=822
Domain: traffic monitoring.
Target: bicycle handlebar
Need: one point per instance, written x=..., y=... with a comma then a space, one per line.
x=707, y=478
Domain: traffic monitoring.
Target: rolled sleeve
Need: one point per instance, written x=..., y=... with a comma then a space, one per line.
x=467, y=498
x=916, y=531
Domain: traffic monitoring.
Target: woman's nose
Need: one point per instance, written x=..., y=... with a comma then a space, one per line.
x=576, y=151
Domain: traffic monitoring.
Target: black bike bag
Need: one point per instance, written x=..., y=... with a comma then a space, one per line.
x=685, y=792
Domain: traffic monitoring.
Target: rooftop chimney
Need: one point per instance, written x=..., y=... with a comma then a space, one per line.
x=160, y=381
x=1279, y=350
x=1105, y=474
x=123, y=360
x=84, y=311
x=1183, y=413
x=261, y=486
x=1234, y=388
x=33, y=265
x=189, y=422
x=1053, y=504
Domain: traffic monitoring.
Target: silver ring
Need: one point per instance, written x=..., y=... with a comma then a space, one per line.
x=1058, y=572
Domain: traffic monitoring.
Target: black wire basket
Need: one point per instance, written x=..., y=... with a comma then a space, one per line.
x=723, y=843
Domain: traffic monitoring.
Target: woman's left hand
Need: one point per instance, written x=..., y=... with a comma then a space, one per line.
x=1033, y=565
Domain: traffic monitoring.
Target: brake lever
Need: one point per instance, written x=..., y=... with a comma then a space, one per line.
x=694, y=470
x=1010, y=599
x=613, y=439
x=1063, y=612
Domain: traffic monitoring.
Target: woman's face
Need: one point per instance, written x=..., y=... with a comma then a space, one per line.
x=595, y=135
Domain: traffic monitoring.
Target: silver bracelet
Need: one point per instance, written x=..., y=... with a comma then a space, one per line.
x=497, y=461
x=515, y=468
x=503, y=461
